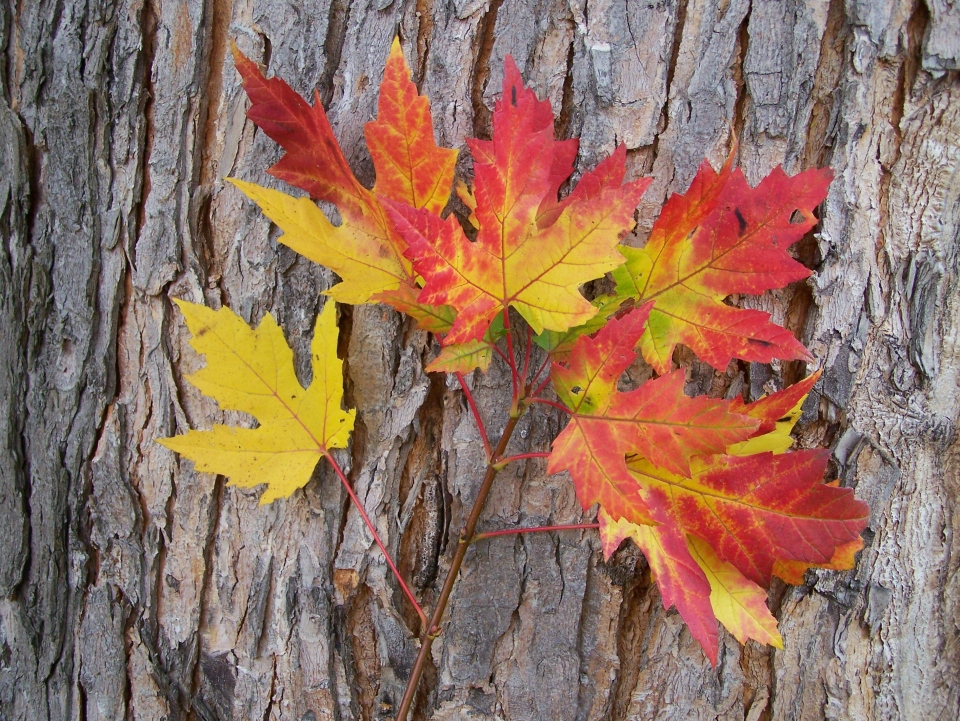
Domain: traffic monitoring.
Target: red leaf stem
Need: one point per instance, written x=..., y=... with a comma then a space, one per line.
x=376, y=537
x=476, y=415
x=534, y=529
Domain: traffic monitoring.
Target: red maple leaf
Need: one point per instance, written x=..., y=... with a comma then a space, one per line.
x=718, y=238
x=532, y=253
x=656, y=420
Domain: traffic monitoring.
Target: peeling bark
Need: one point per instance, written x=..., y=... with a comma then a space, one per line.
x=132, y=587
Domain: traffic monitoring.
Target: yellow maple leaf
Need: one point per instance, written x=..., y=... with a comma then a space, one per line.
x=251, y=370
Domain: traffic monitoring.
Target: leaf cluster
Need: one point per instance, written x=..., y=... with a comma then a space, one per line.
x=707, y=488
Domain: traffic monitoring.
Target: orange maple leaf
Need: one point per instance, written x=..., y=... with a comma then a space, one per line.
x=531, y=252
x=656, y=421
x=365, y=250
x=756, y=510
x=739, y=519
x=718, y=238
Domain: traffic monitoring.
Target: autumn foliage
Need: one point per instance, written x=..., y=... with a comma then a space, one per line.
x=707, y=488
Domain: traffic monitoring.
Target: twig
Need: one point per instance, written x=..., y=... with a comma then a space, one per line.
x=433, y=627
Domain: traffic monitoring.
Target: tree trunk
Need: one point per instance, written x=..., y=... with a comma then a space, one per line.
x=132, y=587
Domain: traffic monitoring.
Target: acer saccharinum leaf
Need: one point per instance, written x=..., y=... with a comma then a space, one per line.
x=251, y=370
x=532, y=252
x=365, y=249
x=742, y=517
x=718, y=238
x=656, y=420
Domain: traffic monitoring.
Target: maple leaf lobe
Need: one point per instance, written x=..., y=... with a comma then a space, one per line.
x=365, y=250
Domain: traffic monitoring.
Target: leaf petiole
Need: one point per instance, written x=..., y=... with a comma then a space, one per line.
x=476, y=415
x=546, y=362
x=554, y=404
x=501, y=464
x=535, y=529
x=376, y=537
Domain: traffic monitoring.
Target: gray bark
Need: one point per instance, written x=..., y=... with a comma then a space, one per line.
x=132, y=587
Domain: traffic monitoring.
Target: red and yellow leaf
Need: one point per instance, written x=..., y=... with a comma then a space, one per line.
x=681, y=580
x=518, y=260
x=364, y=250
x=656, y=421
x=251, y=370
x=722, y=237
x=737, y=602
x=756, y=510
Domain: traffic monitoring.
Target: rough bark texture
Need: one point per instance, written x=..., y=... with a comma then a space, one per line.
x=132, y=587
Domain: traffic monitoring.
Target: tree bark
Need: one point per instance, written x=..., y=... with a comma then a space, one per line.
x=132, y=587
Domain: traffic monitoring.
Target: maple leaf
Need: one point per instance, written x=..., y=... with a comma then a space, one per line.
x=756, y=510
x=531, y=252
x=770, y=507
x=251, y=370
x=656, y=421
x=365, y=249
x=722, y=237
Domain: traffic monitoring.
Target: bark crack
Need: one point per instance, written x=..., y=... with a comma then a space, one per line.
x=481, y=70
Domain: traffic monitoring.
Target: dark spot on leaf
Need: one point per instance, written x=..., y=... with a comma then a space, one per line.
x=785, y=419
x=513, y=95
x=203, y=331
x=759, y=342
x=576, y=389
x=741, y=220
